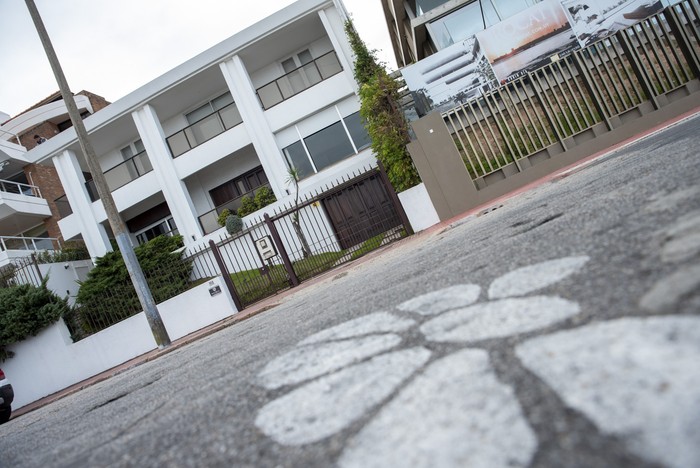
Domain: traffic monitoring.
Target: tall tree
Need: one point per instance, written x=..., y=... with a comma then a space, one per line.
x=384, y=121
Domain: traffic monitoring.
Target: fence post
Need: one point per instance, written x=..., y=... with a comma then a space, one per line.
x=226, y=275
x=282, y=251
x=36, y=266
x=675, y=24
x=637, y=67
x=395, y=199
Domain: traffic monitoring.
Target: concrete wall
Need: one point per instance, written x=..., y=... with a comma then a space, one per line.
x=50, y=361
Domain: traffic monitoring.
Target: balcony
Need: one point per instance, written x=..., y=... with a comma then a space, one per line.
x=27, y=244
x=204, y=129
x=18, y=188
x=299, y=80
x=209, y=220
x=122, y=174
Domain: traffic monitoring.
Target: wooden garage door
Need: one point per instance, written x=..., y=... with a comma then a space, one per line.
x=361, y=211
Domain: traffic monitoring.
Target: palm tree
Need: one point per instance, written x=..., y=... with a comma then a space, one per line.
x=293, y=177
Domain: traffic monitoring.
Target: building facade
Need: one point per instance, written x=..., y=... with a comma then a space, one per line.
x=217, y=128
x=31, y=194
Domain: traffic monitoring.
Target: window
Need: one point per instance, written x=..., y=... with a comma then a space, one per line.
x=166, y=226
x=132, y=149
x=301, y=71
x=209, y=108
x=238, y=186
x=327, y=146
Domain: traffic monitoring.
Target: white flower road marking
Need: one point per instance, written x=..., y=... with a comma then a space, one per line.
x=455, y=414
x=455, y=411
x=636, y=378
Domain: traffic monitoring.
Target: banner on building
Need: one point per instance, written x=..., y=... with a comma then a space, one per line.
x=528, y=40
x=595, y=19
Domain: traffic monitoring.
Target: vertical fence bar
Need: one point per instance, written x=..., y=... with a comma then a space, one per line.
x=282, y=251
x=225, y=274
x=537, y=88
x=589, y=86
x=637, y=67
x=36, y=267
x=682, y=40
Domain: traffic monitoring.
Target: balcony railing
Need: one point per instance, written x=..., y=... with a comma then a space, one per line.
x=19, y=188
x=210, y=220
x=122, y=174
x=63, y=206
x=27, y=243
x=204, y=129
x=299, y=80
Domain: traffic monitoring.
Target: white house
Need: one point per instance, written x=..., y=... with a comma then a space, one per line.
x=194, y=141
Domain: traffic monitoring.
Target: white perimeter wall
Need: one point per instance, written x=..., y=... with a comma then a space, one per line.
x=50, y=361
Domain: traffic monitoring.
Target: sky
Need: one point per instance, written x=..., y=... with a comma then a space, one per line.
x=113, y=47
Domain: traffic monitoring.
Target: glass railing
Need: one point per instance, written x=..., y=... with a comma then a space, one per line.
x=204, y=129
x=63, y=207
x=210, y=220
x=122, y=174
x=27, y=243
x=21, y=189
x=298, y=80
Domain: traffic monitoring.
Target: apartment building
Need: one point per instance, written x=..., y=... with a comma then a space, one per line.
x=31, y=194
x=199, y=138
x=419, y=28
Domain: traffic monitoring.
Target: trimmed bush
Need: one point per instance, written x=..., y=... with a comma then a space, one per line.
x=234, y=224
x=248, y=206
x=225, y=213
x=263, y=197
x=25, y=310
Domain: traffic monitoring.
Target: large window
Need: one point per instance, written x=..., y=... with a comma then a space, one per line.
x=238, y=186
x=209, y=108
x=471, y=18
x=327, y=146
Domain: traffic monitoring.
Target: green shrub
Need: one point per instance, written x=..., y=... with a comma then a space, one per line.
x=107, y=295
x=7, y=274
x=234, y=224
x=248, y=206
x=71, y=251
x=25, y=310
x=263, y=197
x=225, y=213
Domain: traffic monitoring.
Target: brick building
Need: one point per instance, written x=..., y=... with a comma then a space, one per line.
x=31, y=194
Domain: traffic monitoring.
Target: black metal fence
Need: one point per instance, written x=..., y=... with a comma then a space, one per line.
x=341, y=223
x=23, y=270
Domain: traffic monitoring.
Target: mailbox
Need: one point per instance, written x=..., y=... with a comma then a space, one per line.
x=266, y=248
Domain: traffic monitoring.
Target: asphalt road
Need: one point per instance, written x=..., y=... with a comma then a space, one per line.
x=560, y=329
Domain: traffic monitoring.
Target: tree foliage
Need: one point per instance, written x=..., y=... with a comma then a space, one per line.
x=384, y=121
x=25, y=310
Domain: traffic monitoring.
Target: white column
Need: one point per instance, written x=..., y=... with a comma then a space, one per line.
x=256, y=123
x=335, y=28
x=174, y=190
x=73, y=181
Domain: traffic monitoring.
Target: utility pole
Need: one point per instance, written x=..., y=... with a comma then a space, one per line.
x=115, y=221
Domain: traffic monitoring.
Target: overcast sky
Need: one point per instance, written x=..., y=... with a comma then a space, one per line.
x=112, y=47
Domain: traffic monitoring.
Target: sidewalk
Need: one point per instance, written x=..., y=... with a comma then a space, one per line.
x=274, y=301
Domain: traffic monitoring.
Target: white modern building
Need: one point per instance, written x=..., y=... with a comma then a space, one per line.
x=196, y=140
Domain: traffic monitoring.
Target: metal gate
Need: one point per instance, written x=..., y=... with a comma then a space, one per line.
x=354, y=216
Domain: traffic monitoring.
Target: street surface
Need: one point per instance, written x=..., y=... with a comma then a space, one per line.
x=559, y=329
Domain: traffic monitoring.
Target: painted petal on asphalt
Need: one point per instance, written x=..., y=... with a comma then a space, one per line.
x=531, y=278
x=456, y=413
x=330, y=404
x=307, y=362
x=497, y=319
x=635, y=378
x=436, y=302
x=379, y=322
